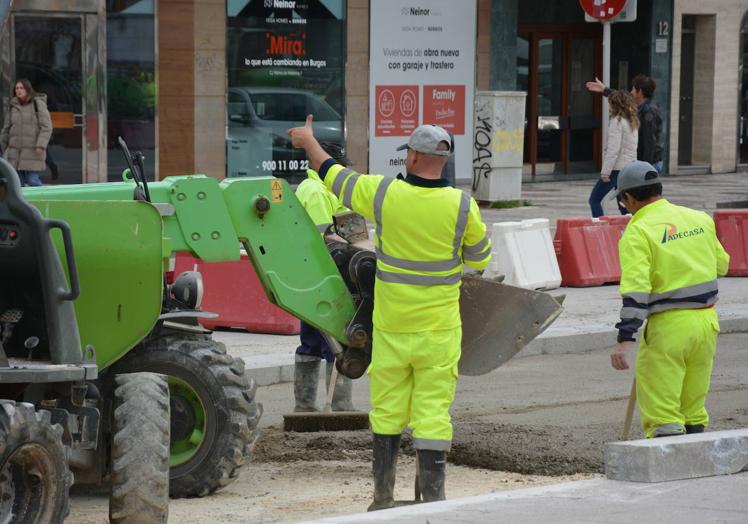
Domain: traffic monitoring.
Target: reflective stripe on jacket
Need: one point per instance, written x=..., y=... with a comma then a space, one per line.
x=319, y=203
x=670, y=259
x=423, y=235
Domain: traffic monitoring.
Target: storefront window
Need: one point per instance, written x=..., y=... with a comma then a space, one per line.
x=131, y=83
x=743, y=127
x=285, y=60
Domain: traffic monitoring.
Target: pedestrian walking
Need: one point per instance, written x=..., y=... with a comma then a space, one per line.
x=650, y=147
x=620, y=148
x=321, y=205
x=26, y=131
x=670, y=260
x=425, y=231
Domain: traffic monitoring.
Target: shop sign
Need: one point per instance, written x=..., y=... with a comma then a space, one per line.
x=285, y=60
x=421, y=71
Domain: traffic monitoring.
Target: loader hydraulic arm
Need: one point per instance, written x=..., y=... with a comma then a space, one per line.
x=211, y=220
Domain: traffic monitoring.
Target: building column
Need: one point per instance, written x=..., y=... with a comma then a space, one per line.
x=192, y=87
x=503, y=30
x=661, y=21
x=357, y=84
x=703, y=90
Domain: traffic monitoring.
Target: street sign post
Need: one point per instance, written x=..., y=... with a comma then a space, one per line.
x=608, y=12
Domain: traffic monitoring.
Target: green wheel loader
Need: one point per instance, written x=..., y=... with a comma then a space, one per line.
x=328, y=285
x=57, y=412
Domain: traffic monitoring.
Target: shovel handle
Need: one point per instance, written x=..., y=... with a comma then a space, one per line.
x=629, y=411
x=331, y=388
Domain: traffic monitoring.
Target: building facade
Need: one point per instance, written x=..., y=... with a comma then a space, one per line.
x=207, y=86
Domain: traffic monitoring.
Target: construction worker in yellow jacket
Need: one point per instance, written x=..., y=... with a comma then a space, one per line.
x=320, y=204
x=670, y=260
x=425, y=230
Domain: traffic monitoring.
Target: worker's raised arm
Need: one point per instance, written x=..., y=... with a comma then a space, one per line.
x=303, y=138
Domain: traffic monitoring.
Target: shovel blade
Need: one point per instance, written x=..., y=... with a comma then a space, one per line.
x=498, y=321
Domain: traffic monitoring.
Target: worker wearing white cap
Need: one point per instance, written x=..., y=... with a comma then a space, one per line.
x=425, y=231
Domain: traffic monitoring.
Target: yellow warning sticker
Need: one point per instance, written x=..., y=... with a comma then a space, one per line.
x=276, y=189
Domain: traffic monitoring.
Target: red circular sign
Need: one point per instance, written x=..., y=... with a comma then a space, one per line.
x=603, y=9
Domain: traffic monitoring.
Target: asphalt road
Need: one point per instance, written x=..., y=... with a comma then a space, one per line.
x=548, y=414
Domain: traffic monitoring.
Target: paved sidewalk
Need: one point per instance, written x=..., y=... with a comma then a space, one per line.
x=711, y=499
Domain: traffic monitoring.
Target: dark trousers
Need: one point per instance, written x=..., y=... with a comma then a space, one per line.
x=598, y=193
x=313, y=343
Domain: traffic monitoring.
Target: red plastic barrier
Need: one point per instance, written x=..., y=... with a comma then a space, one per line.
x=732, y=231
x=233, y=290
x=587, y=250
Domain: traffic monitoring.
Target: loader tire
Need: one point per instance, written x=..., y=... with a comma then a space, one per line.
x=214, y=415
x=34, y=473
x=140, y=450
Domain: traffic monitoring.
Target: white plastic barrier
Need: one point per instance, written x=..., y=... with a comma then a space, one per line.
x=523, y=252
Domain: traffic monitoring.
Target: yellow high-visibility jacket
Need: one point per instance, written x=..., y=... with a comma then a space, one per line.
x=670, y=259
x=317, y=200
x=425, y=230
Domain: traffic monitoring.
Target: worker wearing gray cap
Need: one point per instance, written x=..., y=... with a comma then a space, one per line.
x=425, y=231
x=670, y=260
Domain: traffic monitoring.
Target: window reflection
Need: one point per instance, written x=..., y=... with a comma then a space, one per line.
x=283, y=63
x=131, y=82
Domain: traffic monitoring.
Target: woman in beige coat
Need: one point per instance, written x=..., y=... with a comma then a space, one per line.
x=26, y=132
x=623, y=138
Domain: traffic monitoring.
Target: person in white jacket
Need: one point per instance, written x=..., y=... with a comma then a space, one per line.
x=623, y=138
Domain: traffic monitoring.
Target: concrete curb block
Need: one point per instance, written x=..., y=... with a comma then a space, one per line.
x=268, y=376
x=581, y=342
x=678, y=457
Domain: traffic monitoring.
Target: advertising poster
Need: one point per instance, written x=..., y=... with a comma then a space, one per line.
x=285, y=59
x=422, y=71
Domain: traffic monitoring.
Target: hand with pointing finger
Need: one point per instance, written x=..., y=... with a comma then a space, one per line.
x=302, y=136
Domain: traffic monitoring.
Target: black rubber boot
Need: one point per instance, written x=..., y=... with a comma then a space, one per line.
x=305, y=379
x=384, y=466
x=696, y=428
x=432, y=467
x=341, y=397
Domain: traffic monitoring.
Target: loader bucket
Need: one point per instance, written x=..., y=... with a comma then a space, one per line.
x=498, y=321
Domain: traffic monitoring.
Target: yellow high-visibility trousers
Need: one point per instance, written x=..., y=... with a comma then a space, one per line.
x=673, y=369
x=413, y=377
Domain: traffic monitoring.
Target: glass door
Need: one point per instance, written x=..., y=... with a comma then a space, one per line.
x=549, y=106
x=563, y=118
x=584, y=116
x=60, y=48
x=48, y=51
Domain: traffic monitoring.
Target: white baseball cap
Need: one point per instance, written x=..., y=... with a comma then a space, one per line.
x=426, y=139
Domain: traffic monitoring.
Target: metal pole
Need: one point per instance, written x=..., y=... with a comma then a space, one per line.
x=606, y=78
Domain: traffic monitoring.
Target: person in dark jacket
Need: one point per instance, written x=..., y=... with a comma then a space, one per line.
x=650, y=118
x=26, y=132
